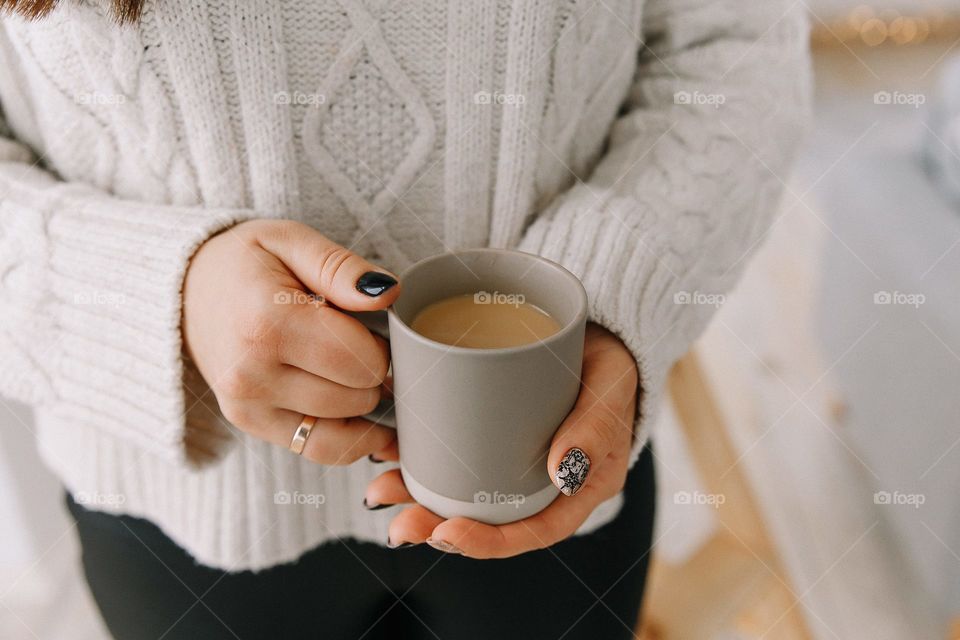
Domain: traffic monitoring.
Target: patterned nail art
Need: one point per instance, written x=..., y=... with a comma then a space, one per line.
x=443, y=545
x=572, y=471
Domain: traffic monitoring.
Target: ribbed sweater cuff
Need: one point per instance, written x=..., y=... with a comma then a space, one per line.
x=624, y=280
x=93, y=284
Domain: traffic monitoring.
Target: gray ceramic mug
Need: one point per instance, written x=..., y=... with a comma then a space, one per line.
x=475, y=425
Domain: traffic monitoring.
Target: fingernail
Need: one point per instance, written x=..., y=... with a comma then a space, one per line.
x=400, y=545
x=374, y=460
x=374, y=283
x=572, y=471
x=443, y=545
x=374, y=507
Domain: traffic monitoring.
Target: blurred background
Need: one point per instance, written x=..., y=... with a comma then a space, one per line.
x=809, y=458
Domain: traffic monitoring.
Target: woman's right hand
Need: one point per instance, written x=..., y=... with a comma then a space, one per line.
x=257, y=323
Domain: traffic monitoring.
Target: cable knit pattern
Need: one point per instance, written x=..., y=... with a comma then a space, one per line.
x=401, y=129
x=371, y=132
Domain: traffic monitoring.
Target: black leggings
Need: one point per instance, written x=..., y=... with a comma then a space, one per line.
x=584, y=587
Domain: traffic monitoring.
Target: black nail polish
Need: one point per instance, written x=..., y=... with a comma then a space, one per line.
x=374, y=460
x=374, y=283
x=374, y=507
x=572, y=471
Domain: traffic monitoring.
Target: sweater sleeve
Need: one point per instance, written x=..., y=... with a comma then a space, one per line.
x=693, y=172
x=90, y=293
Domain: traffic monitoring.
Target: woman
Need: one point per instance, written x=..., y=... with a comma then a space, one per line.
x=179, y=187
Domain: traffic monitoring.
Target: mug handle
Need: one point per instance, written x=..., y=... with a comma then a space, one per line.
x=377, y=322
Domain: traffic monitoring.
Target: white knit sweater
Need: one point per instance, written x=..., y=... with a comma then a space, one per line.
x=642, y=145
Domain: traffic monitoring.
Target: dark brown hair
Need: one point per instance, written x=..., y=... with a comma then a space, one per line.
x=123, y=10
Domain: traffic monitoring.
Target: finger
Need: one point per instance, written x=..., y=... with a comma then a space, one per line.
x=346, y=440
x=478, y=540
x=311, y=395
x=329, y=269
x=333, y=345
x=390, y=453
x=412, y=526
x=386, y=490
x=600, y=422
x=332, y=441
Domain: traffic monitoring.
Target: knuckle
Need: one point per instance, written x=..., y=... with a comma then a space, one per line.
x=607, y=427
x=330, y=261
x=250, y=230
x=279, y=230
x=237, y=384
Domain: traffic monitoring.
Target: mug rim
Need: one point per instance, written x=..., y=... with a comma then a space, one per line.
x=578, y=320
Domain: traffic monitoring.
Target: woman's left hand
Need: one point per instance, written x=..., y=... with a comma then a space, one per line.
x=587, y=461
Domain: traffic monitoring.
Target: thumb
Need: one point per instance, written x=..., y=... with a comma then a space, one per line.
x=601, y=420
x=328, y=269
